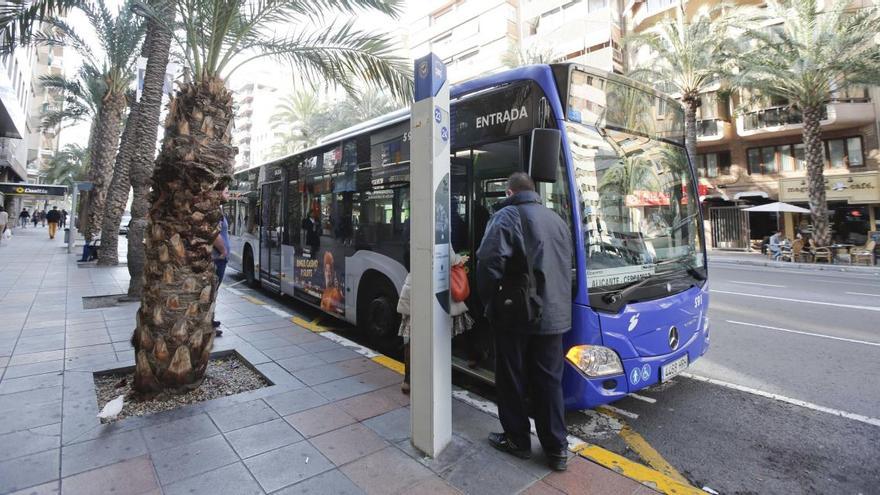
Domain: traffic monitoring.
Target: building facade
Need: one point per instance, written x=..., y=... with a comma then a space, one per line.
x=15, y=97
x=42, y=141
x=750, y=151
x=256, y=101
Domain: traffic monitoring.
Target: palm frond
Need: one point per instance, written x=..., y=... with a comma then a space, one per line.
x=19, y=17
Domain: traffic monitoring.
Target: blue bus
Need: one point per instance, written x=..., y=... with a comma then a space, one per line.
x=330, y=225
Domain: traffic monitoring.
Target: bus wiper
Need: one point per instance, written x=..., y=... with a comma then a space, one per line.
x=687, y=263
x=613, y=297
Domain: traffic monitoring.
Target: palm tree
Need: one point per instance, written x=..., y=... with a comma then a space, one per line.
x=805, y=55
x=81, y=97
x=117, y=194
x=295, y=122
x=687, y=58
x=67, y=166
x=174, y=336
x=144, y=121
x=118, y=38
x=515, y=56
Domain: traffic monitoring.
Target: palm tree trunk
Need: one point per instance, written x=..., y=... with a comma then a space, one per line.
x=108, y=129
x=174, y=336
x=117, y=196
x=158, y=39
x=815, y=158
x=690, y=129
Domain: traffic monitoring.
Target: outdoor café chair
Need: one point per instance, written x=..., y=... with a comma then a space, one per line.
x=820, y=253
x=863, y=253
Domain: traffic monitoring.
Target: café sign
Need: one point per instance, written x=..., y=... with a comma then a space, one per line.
x=853, y=188
x=32, y=189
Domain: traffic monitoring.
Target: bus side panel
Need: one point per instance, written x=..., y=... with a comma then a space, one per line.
x=357, y=265
x=288, y=285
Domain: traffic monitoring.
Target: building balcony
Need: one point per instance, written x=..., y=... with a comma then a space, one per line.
x=786, y=121
x=714, y=131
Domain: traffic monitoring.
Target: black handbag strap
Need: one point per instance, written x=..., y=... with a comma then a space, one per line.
x=525, y=230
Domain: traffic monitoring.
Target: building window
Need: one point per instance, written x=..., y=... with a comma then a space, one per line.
x=839, y=153
x=846, y=152
x=711, y=165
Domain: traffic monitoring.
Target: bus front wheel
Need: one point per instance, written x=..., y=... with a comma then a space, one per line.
x=377, y=314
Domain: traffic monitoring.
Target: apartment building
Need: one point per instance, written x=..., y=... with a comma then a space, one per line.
x=470, y=36
x=256, y=101
x=43, y=142
x=15, y=96
x=750, y=151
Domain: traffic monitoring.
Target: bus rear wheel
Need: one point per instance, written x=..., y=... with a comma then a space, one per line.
x=248, y=267
x=377, y=314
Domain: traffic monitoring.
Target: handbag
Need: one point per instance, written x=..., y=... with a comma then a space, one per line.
x=458, y=283
x=517, y=303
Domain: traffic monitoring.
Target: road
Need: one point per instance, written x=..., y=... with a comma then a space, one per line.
x=793, y=404
x=809, y=337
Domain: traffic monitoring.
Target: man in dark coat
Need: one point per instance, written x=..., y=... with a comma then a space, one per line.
x=529, y=356
x=53, y=217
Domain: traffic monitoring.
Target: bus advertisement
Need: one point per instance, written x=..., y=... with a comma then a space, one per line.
x=330, y=225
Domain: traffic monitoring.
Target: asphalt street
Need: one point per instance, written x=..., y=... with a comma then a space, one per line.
x=778, y=337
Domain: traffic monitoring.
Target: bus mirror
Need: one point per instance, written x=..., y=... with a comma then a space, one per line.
x=544, y=157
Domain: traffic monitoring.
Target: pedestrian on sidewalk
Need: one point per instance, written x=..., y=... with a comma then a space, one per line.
x=461, y=319
x=524, y=278
x=23, y=218
x=35, y=218
x=4, y=219
x=43, y=218
x=53, y=217
x=63, y=222
x=776, y=245
x=220, y=254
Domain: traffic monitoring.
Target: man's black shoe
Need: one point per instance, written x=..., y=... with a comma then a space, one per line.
x=502, y=443
x=215, y=323
x=218, y=333
x=557, y=461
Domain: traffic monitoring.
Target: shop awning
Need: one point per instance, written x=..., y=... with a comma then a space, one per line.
x=777, y=207
x=750, y=194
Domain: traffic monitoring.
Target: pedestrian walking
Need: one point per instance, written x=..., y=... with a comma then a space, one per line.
x=220, y=254
x=4, y=219
x=461, y=319
x=63, y=222
x=35, y=218
x=23, y=218
x=43, y=218
x=53, y=217
x=524, y=278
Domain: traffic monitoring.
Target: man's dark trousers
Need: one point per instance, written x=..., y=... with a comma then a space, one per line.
x=220, y=269
x=531, y=365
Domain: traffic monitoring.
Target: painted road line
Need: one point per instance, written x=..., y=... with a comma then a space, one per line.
x=309, y=325
x=254, y=300
x=642, y=398
x=854, y=341
x=635, y=471
x=390, y=363
x=755, y=283
x=820, y=303
x=278, y=311
x=788, y=400
x=862, y=294
x=236, y=283
x=617, y=410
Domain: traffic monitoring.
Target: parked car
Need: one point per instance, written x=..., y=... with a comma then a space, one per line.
x=123, y=224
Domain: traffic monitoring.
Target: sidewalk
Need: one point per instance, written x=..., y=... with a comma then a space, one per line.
x=334, y=420
x=755, y=258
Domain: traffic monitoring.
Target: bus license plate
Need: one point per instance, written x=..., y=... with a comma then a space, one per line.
x=668, y=371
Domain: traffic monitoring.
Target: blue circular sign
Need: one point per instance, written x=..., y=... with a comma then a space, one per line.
x=444, y=134
x=646, y=372
x=634, y=376
x=438, y=116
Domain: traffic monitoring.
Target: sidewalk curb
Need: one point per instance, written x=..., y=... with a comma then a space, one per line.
x=868, y=270
x=640, y=473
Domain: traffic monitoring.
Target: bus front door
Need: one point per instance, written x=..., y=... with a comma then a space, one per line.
x=270, y=235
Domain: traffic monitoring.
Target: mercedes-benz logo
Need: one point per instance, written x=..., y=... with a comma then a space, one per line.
x=673, y=338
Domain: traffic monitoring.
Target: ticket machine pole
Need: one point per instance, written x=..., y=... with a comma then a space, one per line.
x=430, y=341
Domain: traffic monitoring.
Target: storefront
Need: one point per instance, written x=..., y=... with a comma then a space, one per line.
x=853, y=205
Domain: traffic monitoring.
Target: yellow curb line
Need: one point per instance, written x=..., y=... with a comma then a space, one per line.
x=309, y=325
x=253, y=300
x=633, y=470
x=389, y=363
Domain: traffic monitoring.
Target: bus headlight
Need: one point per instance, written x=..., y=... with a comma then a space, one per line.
x=595, y=360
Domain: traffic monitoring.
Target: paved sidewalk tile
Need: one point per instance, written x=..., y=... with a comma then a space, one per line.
x=589, y=478
x=319, y=420
x=173, y=433
x=387, y=471
x=349, y=443
x=330, y=482
x=295, y=401
x=262, y=437
x=285, y=466
x=368, y=405
x=105, y=450
x=233, y=479
x=482, y=471
x=134, y=476
x=34, y=469
x=193, y=458
x=241, y=415
x=30, y=441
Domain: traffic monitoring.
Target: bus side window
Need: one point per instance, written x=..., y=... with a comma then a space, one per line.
x=229, y=212
x=294, y=214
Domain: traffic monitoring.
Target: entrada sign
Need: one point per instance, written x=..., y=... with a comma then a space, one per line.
x=32, y=189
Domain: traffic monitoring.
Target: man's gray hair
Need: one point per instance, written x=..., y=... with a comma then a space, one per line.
x=520, y=181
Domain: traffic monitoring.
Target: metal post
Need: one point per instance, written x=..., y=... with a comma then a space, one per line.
x=71, y=224
x=430, y=341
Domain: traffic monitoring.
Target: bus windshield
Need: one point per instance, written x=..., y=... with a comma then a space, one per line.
x=640, y=207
